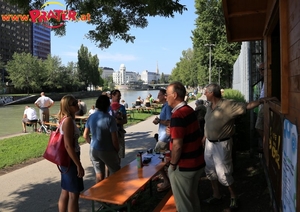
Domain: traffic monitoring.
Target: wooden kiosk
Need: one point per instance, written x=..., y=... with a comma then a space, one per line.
x=277, y=23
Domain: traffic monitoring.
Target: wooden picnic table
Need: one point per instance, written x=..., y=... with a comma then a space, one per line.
x=119, y=188
x=80, y=121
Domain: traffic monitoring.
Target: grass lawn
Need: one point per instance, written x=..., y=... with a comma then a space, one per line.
x=19, y=149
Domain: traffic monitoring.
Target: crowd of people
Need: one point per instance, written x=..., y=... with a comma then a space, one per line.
x=200, y=140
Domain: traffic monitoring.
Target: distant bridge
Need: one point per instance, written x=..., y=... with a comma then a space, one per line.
x=157, y=86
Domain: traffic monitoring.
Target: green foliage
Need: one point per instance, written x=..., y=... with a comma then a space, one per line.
x=25, y=71
x=112, y=19
x=108, y=83
x=30, y=74
x=193, y=67
x=234, y=95
x=184, y=71
x=88, y=70
x=211, y=30
x=162, y=78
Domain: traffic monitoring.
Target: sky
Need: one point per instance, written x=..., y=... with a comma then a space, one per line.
x=159, y=44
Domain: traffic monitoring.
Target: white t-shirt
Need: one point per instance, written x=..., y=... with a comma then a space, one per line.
x=30, y=114
x=44, y=101
x=91, y=111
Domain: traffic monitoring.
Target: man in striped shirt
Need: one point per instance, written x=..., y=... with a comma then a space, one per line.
x=187, y=160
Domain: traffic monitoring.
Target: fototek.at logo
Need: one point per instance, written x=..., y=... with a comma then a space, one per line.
x=44, y=16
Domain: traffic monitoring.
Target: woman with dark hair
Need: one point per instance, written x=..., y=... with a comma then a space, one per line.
x=104, y=145
x=71, y=181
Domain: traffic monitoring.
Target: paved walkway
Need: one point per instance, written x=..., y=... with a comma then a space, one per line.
x=37, y=187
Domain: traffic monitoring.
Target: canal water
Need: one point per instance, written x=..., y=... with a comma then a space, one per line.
x=11, y=115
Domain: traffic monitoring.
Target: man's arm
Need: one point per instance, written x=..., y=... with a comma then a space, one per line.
x=86, y=135
x=24, y=115
x=254, y=104
x=176, y=152
x=51, y=104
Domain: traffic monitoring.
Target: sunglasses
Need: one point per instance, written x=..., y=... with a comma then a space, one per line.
x=74, y=103
x=261, y=69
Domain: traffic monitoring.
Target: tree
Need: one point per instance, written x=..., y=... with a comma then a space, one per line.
x=94, y=77
x=72, y=72
x=2, y=69
x=25, y=71
x=211, y=30
x=108, y=83
x=183, y=71
x=113, y=19
x=88, y=68
x=162, y=78
x=83, y=65
x=56, y=77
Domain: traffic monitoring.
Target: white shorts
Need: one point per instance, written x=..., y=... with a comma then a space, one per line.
x=161, y=146
x=219, y=161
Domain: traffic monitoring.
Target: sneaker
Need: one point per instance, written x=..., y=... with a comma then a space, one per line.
x=213, y=200
x=233, y=203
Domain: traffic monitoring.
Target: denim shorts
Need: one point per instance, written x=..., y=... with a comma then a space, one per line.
x=69, y=181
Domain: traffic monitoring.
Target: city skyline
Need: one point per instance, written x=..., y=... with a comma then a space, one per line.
x=160, y=44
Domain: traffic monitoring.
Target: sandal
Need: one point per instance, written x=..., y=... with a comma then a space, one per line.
x=213, y=200
x=233, y=203
x=161, y=187
x=157, y=177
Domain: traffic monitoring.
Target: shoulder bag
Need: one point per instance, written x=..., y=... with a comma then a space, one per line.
x=56, y=151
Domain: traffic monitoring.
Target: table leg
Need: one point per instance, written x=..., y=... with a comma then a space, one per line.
x=150, y=184
x=93, y=206
x=128, y=207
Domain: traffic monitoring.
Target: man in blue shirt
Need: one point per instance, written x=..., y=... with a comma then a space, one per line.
x=118, y=111
x=163, y=139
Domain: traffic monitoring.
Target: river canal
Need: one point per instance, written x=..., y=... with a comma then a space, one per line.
x=11, y=115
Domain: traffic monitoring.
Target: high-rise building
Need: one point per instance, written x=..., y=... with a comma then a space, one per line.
x=19, y=36
x=41, y=41
x=15, y=36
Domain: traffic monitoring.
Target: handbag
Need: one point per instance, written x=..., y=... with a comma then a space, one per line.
x=56, y=151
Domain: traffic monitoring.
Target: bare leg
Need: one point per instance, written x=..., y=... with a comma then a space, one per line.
x=106, y=171
x=73, y=202
x=63, y=201
x=232, y=191
x=100, y=177
x=215, y=187
x=24, y=127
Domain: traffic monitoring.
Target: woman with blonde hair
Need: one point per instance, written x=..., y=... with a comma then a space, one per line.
x=71, y=181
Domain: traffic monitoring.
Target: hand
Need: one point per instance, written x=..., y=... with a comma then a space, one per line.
x=168, y=131
x=267, y=99
x=173, y=166
x=80, y=171
x=203, y=142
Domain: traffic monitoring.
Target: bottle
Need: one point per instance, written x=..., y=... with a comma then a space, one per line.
x=139, y=160
x=167, y=157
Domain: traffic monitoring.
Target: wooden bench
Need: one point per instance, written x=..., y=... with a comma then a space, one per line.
x=170, y=205
x=116, y=191
x=164, y=202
